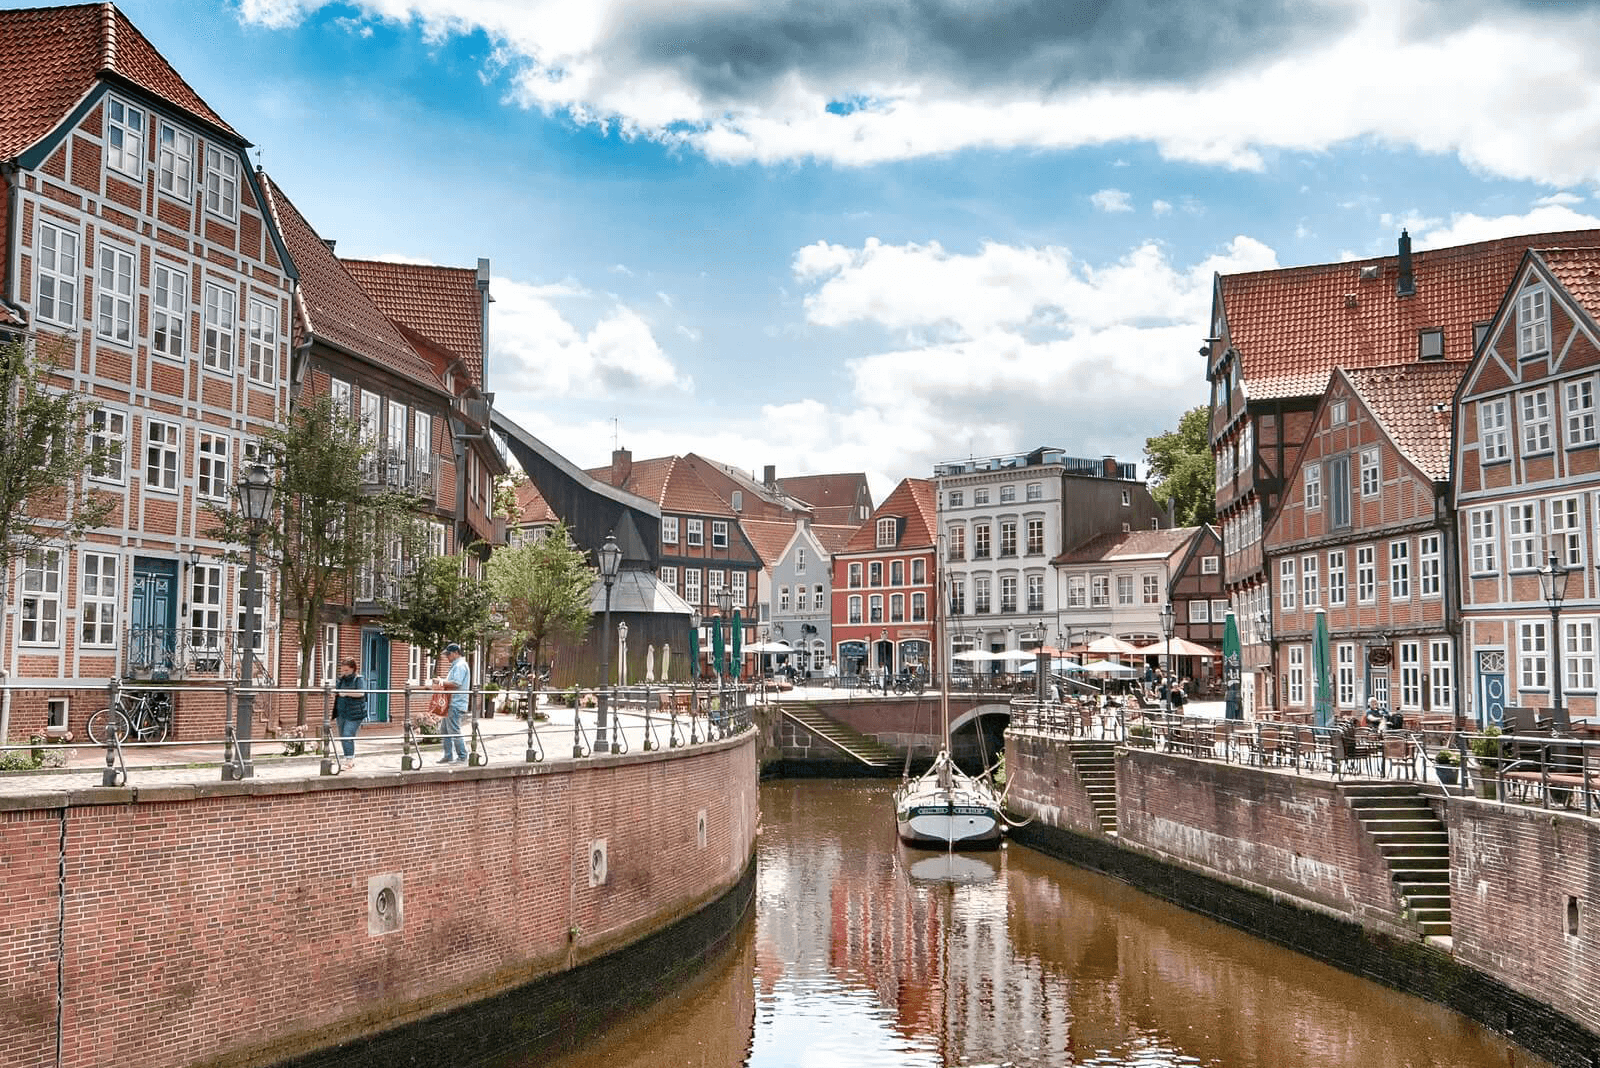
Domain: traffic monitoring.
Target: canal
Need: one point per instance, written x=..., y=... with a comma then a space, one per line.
x=862, y=952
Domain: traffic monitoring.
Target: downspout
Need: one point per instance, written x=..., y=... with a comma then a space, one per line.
x=1445, y=516
x=8, y=175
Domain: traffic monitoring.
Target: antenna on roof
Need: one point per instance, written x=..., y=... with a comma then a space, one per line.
x=616, y=434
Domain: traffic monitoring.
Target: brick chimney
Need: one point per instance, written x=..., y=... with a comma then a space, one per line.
x=1109, y=466
x=1406, y=284
x=621, y=467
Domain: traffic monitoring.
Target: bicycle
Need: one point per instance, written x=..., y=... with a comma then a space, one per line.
x=145, y=716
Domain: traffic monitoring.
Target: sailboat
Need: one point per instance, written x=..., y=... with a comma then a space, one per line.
x=946, y=807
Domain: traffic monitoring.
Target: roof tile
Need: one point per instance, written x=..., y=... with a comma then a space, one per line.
x=1119, y=545
x=912, y=499
x=442, y=304
x=1412, y=403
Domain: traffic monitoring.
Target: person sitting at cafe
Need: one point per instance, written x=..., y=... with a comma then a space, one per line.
x=1376, y=714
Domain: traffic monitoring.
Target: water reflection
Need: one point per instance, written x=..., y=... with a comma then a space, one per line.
x=865, y=953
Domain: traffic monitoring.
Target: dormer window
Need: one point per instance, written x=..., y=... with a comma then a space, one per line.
x=1533, y=322
x=886, y=533
x=1430, y=345
x=738, y=500
x=1479, y=332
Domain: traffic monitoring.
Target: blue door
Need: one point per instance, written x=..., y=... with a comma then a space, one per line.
x=1491, y=687
x=152, y=615
x=375, y=669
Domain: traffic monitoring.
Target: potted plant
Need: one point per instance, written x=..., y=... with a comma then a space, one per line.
x=1486, y=753
x=1447, y=765
x=1141, y=735
x=491, y=699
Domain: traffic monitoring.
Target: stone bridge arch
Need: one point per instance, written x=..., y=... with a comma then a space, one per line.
x=985, y=723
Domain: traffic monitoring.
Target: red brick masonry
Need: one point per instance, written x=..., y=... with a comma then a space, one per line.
x=229, y=924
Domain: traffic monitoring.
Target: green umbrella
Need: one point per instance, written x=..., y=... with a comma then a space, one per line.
x=1231, y=666
x=694, y=652
x=717, y=656
x=736, y=665
x=1322, y=669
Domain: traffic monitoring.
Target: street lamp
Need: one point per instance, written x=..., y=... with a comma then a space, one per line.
x=610, y=555
x=254, y=493
x=1553, y=585
x=1167, y=625
x=622, y=653
x=1264, y=635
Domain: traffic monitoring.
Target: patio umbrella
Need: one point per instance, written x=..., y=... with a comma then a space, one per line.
x=1015, y=656
x=649, y=663
x=1321, y=669
x=736, y=661
x=1230, y=666
x=666, y=658
x=718, y=657
x=1180, y=647
x=972, y=656
x=1110, y=644
x=768, y=647
x=1108, y=667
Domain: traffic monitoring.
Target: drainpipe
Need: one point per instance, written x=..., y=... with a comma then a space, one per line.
x=8, y=175
x=1445, y=517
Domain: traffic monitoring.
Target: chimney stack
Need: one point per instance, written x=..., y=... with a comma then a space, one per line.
x=621, y=467
x=769, y=476
x=1406, y=286
x=1109, y=467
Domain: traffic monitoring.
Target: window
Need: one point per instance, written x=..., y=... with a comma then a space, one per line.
x=1366, y=575
x=211, y=467
x=669, y=578
x=169, y=312
x=897, y=573
x=897, y=608
x=1430, y=345
x=330, y=654
x=1535, y=422
x=97, y=600
x=669, y=530
x=719, y=534
x=57, y=299
x=1008, y=593
x=1339, y=492
x=800, y=599
x=1036, y=537
x=817, y=597
x=1209, y=565
x=919, y=607
x=1313, y=487
x=980, y=595
x=1494, y=420
x=1219, y=611
x=1127, y=498
x=422, y=442
x=958, y=543
x=1580, y=413
x=340, y=391
x=1566, y=534
x=800, y=561
x=696, y=533
x=1339, y=414
x=1336, y=587
x=958, y=596
x=1441, y=678
x=1297, y=675
x=919, y=571
x=1008, y=537
x=1008, y=494
x=1124, y=589
x=221, y=315
x=414, y=665
x=124, y=139
x=741, y=589
x=855, y=576
x=1370, y=480
x=1577, y=654
x=114, y=295
x=1152, y=589
x=1429, y=565
x=1286, y=585
x=691, y=586
x=205, y=608
x=222, y=183
x=957, y=498
x=263, y=344
x=161, y=455
x=980, y=541
x=41, y=597
x=1310, y=594
x=886, y=533
x=1399, y=570
x=1199, y=611
x=1100, y=591
x=875, y=608
x=715, y=580
x=1410, y=675
x=1036, y=593
x=1533, y=322
x=1035, y=491
x=1345, y=675
x=1479, y=332
x=108, y=441
x=175, y=162
x=855, y=608
x=1533, y=655
x=1522, y=536
x=1483, y=542
x=247, y=618
x=980, y=495
x=1077, y=592
x=875, y=573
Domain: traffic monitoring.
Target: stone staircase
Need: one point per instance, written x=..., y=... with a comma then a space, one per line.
x=1414, y=844
x=1096, y=763
x=852, y=743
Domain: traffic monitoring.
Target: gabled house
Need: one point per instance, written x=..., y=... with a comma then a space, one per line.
x=840, y=500
x=533, y=516
x=136, y=250
x=884, y=587
x=1365, y=532
x=802, y=604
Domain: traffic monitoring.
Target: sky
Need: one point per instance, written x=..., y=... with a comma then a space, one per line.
x=873, y=235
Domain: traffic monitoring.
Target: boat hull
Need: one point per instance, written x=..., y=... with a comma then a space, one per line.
x=944, y=825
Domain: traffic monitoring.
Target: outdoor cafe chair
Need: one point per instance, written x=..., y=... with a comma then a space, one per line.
x=1398, y=754
x=1267, y=747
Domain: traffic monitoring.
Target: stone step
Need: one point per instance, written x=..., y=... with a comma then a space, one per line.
x=1428, y=901
x=1431, y=912
x=1414, y=862
x=1395, y=850
x=1392, y=806
x=1440, y=930
x=1400, y=824
x=1415, y=882
x=1355, y=790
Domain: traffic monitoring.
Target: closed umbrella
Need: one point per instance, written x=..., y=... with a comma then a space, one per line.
x=1321, y=667
x=649, y=663
x=718, y=653
x=1234, y=708
x=666, y=658
x=735, y=663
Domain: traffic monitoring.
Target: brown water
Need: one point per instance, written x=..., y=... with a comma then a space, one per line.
x=865, y=953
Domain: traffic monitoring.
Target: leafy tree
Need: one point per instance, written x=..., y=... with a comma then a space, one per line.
x=45, y=450
x=328, y=522
x=1183, y=470
x=543, y=589
x=439, y=603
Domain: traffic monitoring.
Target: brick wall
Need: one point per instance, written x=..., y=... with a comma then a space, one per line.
x=1041, y=781
x=229, y=924
x=1514, y=872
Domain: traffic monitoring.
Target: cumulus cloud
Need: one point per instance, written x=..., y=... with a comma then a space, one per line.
x=1160, y=207
x=1111, y=200
x=857, y=82
x=1466, y=227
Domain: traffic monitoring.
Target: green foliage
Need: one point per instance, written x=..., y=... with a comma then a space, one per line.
x=1182, y=469
x=1446, y=757
x=439, y=604
x=543, y=590
x=1487, y=745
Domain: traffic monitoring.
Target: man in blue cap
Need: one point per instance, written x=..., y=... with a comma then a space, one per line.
x=458, y=681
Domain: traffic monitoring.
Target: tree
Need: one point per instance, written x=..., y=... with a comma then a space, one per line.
x=544, y=590
x=45, y=450
x=439, y=603
x=1183, y=470
x=329, y=524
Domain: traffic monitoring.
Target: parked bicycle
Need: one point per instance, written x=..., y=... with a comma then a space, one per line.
x=140, y=716
x=910, y=680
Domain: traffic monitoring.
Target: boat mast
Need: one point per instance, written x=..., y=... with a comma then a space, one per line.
x=940, y=581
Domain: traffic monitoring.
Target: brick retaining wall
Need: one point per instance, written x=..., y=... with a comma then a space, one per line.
x=1041, y=781
x=228, y=924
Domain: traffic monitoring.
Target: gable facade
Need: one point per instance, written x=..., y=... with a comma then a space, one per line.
x=884, y=587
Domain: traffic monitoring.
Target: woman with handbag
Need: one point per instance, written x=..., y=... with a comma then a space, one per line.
x=349, y=707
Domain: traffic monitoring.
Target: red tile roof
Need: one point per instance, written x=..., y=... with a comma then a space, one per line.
x=51, y=56
x=1134, y=544
x=672, y=483
x=832, y=538
x=532, y=508
x=832, y=498
x=769, y=537
x=336, y=308
x=1403, y=399
x=1292, y=326
x=912, y=499
x=440, y=303
x=1578, y=271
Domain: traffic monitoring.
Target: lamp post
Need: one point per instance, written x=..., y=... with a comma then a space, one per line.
x=1553, y=584
x=610, y=555
x=1167, y=625
x=1264, y=633
x=254, y=493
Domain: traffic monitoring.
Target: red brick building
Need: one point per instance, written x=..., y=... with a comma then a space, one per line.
x=884, y=592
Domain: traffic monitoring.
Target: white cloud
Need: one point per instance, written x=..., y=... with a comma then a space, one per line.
x=1160, y=207
x=1467, y=227
x=1111, y=200
x=1563, y=198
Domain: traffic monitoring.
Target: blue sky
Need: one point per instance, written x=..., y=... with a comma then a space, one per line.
x=875, y=234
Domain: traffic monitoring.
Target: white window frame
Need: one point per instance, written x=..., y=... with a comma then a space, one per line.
x=99, y=574
x=1100, y=591
x=169, y=311
x=1577, y=654
x=691, y=586
x=1533, y=654
x=669, y=530
x=1483, y=541
x=259, y=636
x=1035, y=536
x=853, y=608
x=1533, y=322
x=958, y=596
x=205, y=607
x=1008, y=494
x=1410, y=675
x=222, y=183
x=1336, y=578
x=1494, y=430
x=1200, y=611
x=886, y=531
x=1441, y=675
x=669, y=577
x=113, y=294
x=980, y=495
x=1310, y=591
x=1210, y=565
x=875, y=608
x=162, y=447
x=1288, y=584
x=39, y=603
x=1566, y=529
x=1035, y=491
x=1152, y=589
x=854, y=573
x=1522, y=536
x=1579, y=412
x=919, y=607
x=802, y=597
x=262, y=343
x=175, y=162
x=1077, y=591
x=799, y=560
x=897, y=607
x=108, y=436
x=125, y=127
x=1313, y=483
x=1536, y=422
x=738, y=582
x=1124, y=590
x=58, y=263
x=1345, y=675
x=958, y=499
x=719, y=533
x=212, y=471
x=1430, y=565
x=1371, y=473
x=330, y=655
x=339, y=390
x=783, y=599
x=1297, y=675
x=1366, y=575
x=1400, y=569
x=695, y=534
x=219, y=327
x=1035, y=593
x=414, y=665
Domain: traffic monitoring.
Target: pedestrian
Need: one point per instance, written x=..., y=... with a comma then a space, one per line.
x=349, y=707
x=458, y=683
x=832, y=672
x=1176, y=695
x=1375, y=714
